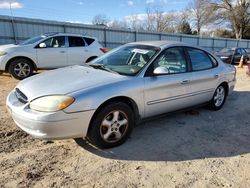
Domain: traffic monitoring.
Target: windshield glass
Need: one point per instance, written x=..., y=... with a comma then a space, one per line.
x=227, y=50
x=127, y=60
x=32, y=40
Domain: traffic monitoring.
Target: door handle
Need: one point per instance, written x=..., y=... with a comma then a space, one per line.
x=216, y=76
x=62, y=51
x=85, y=50
x=186, y=81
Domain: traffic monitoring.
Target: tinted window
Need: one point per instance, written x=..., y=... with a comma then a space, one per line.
x=199, y=59
x=243, y=51
x=76, y=42
x=173, y=59
x=55, y=42
x=238, y=51
x=89, y=40
x=215, y=63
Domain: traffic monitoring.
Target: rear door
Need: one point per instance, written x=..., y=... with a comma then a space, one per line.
x=169, y=92
x=205, y=75
x=78, y=51
x=53, y=54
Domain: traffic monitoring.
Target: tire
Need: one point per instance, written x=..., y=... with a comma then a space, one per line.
x=90, y=59
x=111, y=126
x=21, y=68
x=218, y=99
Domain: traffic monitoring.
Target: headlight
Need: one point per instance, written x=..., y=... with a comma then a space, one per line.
x=2, y=53
x=51, y=103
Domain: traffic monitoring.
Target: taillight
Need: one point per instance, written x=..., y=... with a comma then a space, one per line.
x=104, y=50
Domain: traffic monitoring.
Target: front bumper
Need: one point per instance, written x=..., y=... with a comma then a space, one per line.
x=55, y=125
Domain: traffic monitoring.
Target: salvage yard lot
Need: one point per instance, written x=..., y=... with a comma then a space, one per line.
x=198, y=148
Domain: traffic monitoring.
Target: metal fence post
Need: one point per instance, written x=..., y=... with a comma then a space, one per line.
x=105, y=37
x=160, y=36
x=180, y=38
x=135, y=36
x=13, y=29
x=213, y=44
x=64, y=28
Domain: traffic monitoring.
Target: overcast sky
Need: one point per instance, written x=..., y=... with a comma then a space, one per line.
x=84, y=10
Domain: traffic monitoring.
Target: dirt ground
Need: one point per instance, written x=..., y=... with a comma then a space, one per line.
x=199, y=148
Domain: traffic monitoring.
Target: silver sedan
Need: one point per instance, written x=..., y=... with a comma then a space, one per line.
x=103, y=100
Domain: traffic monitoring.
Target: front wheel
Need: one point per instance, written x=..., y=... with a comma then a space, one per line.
x=218, y=99
x=111, y=126
x=21, y=68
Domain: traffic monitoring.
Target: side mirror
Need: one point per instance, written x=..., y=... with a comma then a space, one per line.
x=42, y=45
x=161, y=71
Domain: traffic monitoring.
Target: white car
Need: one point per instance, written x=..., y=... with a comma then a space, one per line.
x=48, y=51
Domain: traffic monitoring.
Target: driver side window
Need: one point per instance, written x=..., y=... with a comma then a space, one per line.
x=173, y=59
x=55, y=42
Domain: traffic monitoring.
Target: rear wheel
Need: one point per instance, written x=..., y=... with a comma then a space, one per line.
x=219, y=98
x=111, y=126
x=21, y=68
x=90, y=59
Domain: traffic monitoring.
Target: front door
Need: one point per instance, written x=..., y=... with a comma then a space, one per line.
x=52, y=54
x=171, y=91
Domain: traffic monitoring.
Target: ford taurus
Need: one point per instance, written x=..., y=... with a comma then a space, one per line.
x=102, y=101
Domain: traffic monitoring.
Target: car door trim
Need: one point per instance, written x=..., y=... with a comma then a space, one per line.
x=179, y=97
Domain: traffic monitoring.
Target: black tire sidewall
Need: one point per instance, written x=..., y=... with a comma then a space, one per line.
x=14, y=63
x=94, y=130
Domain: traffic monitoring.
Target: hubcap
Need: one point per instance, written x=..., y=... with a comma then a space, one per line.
x=114, y=126
x=219, y=96
x=22, y=69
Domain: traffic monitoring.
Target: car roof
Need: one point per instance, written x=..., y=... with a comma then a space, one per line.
x=162, y=43
x=66, y=34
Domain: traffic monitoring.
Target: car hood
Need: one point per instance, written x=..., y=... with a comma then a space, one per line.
x=65, y=81
x=7, y=46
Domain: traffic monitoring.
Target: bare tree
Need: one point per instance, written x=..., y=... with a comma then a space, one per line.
x=237, y=12
x=100, y=19
x=160, y=21
x=150, y=19
x=118, y=24
x=200, y=13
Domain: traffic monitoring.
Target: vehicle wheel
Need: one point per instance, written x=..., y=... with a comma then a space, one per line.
x=111, y=126
x=21, y=68
x=218, y=99
x=90, y=59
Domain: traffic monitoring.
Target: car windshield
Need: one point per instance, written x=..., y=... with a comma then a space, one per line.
x=32, y=40
x=227, y=50
x=126, y=60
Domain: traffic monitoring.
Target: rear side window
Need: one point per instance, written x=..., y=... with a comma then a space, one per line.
x=89, y=40
x=199, y=59
x=215, y=63
x=76, y=42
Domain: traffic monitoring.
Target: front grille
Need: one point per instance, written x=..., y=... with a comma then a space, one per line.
x=20, y=96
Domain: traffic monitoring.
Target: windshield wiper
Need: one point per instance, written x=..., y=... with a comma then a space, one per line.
x=102, y=67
